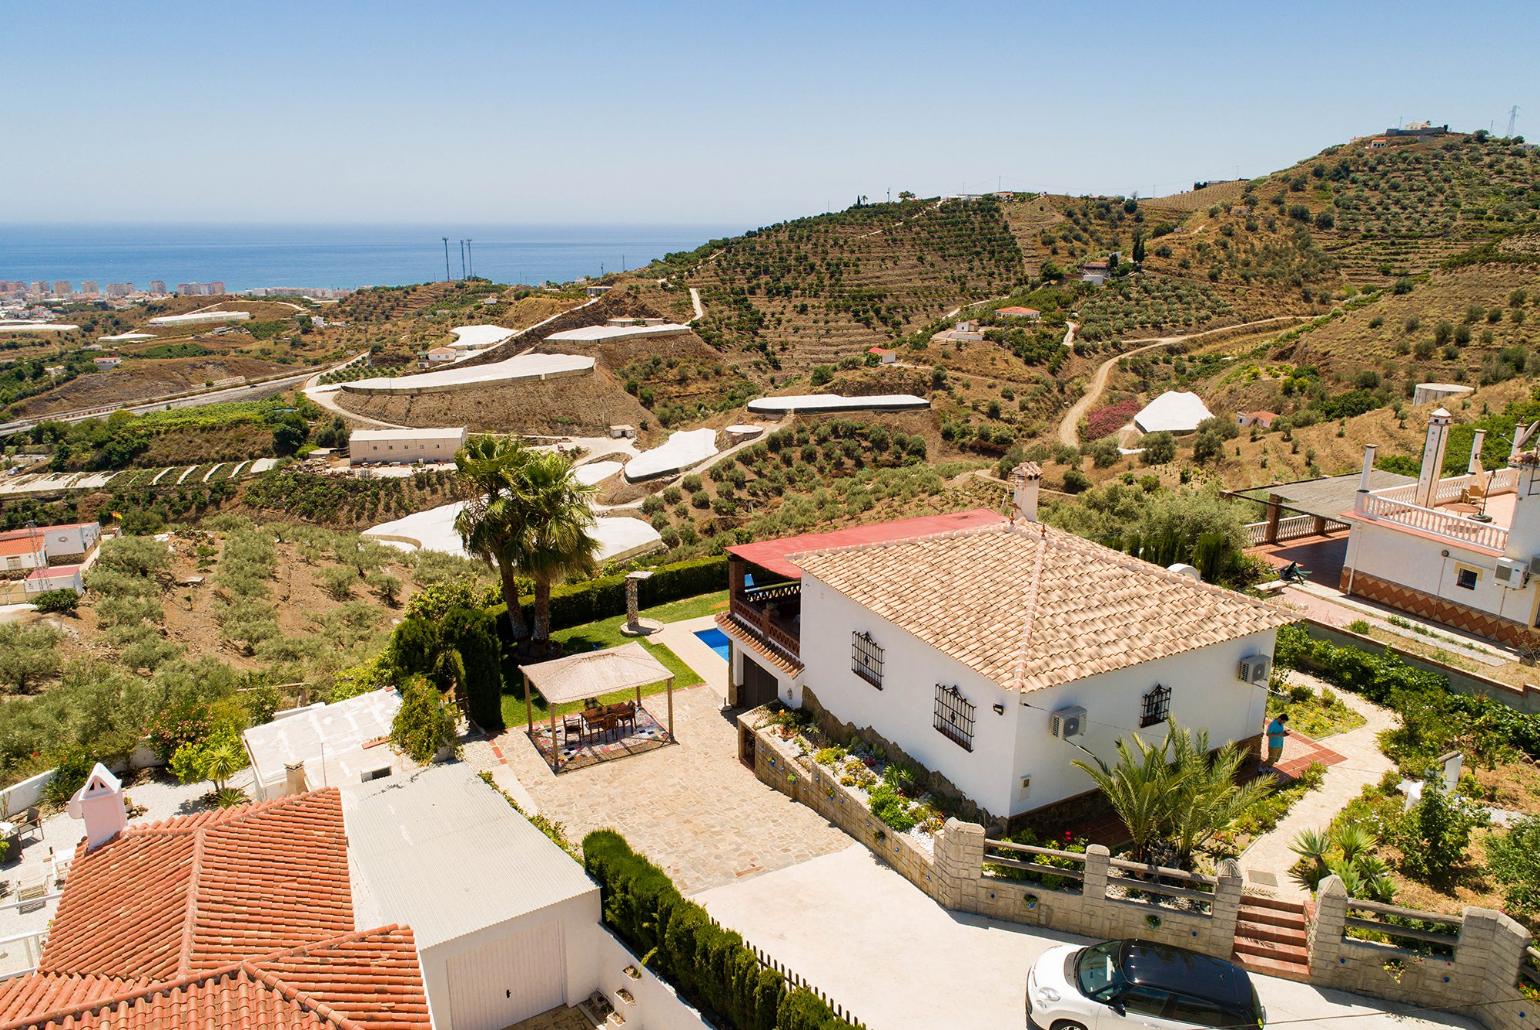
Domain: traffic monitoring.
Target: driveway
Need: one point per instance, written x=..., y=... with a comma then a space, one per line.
x=874, y=943
x=692, y=808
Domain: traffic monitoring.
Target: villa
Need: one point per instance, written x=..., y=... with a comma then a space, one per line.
x=1462, y=550
x=994, y=652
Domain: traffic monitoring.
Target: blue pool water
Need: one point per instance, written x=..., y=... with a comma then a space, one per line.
x=717, y=641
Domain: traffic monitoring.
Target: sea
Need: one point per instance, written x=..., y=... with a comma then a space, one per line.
x=339, y=257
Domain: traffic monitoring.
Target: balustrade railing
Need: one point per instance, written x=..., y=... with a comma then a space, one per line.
x=1441, y=523
x=758, y=620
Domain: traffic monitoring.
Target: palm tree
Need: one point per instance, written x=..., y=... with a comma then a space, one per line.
x=1140, y=789
x=1210, y=798
x=493, y=522
x=557, y=542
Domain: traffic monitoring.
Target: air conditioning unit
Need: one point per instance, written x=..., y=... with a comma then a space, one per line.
x=1067, y=722
x=1256, y=668
x=1513, y=573
x=1534, y=565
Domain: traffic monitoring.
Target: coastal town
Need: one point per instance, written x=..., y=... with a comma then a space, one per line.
x=715, y=529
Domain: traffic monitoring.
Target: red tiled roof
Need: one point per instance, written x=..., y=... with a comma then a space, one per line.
x=193, y=894
x=54, y=571
x=21, y=545
x=772, y=555
x=758, y=646
x=368, y=980
x=241, y=917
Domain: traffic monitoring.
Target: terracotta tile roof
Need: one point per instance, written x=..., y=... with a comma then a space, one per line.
x=19, y=545
x=753, y=643
x=192, y=894
x=1030, y=606
x=369, y=980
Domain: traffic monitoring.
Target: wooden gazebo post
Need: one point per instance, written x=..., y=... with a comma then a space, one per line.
x=555, y=752
x=670, y=689
x=529, y=711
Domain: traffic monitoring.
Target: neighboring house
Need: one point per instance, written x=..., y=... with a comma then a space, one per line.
x=1462, y=550
x=1261, y=419
x=56, y=577
x=596, y=291
x=1094, y=272
x=105, y=361
x=994, y=653
x=418, y=901
x=325, y=745
x=1172, y=412
x=440, y=356
x=405, y=446
x=23, y=552
x=966, y=331
x=1030, y=314
x=883, y=354
x=66, y=543
x=244, y=910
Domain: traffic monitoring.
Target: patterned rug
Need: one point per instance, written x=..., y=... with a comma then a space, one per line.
x=596, y=748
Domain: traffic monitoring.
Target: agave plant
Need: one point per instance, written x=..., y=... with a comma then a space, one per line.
x=1353, y=841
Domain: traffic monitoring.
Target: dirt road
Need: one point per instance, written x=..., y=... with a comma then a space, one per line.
x=1069, y=426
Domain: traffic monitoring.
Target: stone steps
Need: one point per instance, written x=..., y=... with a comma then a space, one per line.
x=1272, y=937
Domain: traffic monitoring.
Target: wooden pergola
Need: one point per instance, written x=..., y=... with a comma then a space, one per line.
x=593, y=674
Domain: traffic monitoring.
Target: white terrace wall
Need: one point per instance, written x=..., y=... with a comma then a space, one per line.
x=1481, y=978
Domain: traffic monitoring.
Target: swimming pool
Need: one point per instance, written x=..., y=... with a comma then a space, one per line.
x=717, y=641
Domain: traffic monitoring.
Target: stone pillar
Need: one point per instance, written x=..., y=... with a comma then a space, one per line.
x=635, y=625
x=1327, y=928
x=1488, y=957
x=1094, y=886
x=1225, y=909
x=1274, y=513
x=959, y=865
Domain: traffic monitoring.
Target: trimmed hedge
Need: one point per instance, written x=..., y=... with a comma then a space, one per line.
x=1380, y=676
x=709, y=966
x=573, y=604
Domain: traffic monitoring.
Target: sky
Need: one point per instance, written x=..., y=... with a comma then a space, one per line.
x=396, y=111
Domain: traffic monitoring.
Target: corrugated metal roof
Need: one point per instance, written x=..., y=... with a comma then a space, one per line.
x=446, y=433
x=441, y=851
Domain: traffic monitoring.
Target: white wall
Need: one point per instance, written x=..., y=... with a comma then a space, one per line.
x=1206, y=693
x=405, y=449
x=903, y=710
x=578, y=916
x=1422, y=564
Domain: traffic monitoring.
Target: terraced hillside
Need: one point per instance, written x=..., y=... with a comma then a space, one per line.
x=817, y=289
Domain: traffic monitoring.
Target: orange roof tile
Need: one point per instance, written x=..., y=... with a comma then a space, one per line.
x=368, y=980
x=193, y=894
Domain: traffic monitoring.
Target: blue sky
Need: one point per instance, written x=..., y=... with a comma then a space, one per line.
x=704, y=113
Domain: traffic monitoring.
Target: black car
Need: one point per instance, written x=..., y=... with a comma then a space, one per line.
x=1138, y=984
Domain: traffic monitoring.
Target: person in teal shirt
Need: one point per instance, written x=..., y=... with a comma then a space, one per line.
x=1276, y=731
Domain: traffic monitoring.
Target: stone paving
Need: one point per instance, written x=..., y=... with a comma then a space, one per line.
x=692, y=808
x=1268, y=860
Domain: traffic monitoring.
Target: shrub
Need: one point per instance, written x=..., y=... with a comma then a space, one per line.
x=886, y=804
x=57, y=602
x=1514, y=861
x=1434, y=835
x=1159, y=449
x=425, y=723
x=709, y=966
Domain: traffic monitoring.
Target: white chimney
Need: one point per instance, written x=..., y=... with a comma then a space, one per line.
x=1433, y=457
x=1523, y=541
x=1475, y=452
x=294, y=778
x=100, y=803
x=1024, y=481
x=1361, y=499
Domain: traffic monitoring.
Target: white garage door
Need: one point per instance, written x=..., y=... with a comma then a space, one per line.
x=508, y=979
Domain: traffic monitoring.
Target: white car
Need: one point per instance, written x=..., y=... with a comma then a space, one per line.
x=1120, y=985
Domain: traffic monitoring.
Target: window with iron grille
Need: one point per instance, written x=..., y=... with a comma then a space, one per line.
x=954, y=715
x=866, y=658
x=1157, y=706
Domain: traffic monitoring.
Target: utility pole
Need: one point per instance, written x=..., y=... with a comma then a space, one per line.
x=447, y=276
x=462, y=259
x=471, y=257
x=1513, y=114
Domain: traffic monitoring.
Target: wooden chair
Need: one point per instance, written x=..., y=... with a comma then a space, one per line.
x=30, y=821
x=32, y=893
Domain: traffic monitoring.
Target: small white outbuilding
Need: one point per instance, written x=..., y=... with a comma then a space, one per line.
x=1172, y=412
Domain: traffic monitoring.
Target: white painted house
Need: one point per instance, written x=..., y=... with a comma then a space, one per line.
x=1462, y=550
x=68, y=542
x=995, y=652
x=405, y=446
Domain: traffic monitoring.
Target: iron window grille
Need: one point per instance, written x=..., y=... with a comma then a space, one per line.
x=954, y=716
x=1157, y=706
x=866, y=658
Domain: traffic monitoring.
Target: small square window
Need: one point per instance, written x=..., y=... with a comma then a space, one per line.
x=1466, y=578
x=1156, y=706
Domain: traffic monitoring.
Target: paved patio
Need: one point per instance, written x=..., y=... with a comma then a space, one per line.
x=838, y=918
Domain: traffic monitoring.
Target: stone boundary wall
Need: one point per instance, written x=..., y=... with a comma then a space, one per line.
x=1481, y=979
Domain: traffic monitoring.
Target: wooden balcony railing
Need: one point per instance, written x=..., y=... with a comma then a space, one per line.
x=749, y=610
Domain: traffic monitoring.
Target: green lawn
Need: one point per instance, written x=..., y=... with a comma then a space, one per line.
x=606, y=633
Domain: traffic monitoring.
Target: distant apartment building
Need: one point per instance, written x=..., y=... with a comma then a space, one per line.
x=210, y=289
x=89, y=288
x=12, y=287
x=119, y=289
x=39, y=288
x=157, y=286
x=61, y=288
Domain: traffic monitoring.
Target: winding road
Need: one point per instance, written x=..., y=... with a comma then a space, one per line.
x=1069, y=426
